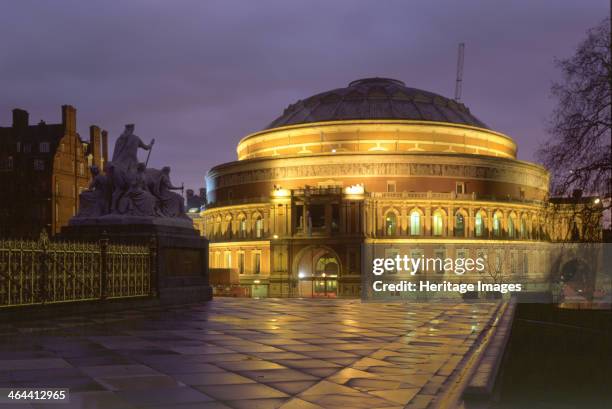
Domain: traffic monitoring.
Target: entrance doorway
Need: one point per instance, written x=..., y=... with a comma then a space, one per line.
x=318, y=271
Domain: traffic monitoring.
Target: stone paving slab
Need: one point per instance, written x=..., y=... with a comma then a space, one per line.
x=247, y=353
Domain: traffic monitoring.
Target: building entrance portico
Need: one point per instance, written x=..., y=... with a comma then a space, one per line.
x=318, y=270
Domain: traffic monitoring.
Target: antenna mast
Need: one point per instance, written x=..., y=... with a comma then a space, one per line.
x=459, y=72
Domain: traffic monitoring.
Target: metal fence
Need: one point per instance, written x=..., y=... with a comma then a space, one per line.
x=44, y=271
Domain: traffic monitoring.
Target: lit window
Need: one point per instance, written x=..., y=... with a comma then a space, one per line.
x=438, y=223
x=459, y=225
x=228, y=228
x=391, y=224
x=43, y=147
x=217, y=227
x=240, y=263
x=523, y=228
x=497, y=225
x=392, y=254
x=242, y=227
x=257, y=264
x=259, y=228
x=228, y=259
x=417, y=254
x=513, y=262
x=415, y=223
x=511, y=231
x=482, y=254
x=478, y=225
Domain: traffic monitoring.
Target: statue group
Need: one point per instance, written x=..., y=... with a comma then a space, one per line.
x=128, y=188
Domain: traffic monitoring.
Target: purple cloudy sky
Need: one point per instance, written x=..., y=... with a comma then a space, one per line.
x=199, y=75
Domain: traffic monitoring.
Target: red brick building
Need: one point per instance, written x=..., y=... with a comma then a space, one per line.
x=43, y=168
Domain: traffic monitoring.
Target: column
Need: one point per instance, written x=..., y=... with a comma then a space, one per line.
x=470, y=222
x=343, y=219
x=328, y=218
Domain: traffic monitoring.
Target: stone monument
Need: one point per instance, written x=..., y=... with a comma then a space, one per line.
x=131, y=203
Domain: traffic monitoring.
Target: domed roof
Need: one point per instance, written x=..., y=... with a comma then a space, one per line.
x=376, y=98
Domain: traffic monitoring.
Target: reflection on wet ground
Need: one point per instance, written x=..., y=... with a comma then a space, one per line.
x=246, y=353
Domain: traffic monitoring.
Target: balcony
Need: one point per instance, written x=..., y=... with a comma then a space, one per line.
x=317, y=191
x=429, y=195
x=241, y=201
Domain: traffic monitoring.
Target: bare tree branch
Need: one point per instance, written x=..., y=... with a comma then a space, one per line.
x=579, y=152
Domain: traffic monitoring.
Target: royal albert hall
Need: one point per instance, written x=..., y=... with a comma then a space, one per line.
x=373, y=163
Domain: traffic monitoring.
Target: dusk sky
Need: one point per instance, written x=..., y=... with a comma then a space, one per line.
x=200, y=75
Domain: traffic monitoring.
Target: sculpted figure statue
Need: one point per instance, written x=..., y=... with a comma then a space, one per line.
x=171, y=204
x=93, y=202
x=128, y=188
x=125, y=154
x=119, y=185
x=137, y=200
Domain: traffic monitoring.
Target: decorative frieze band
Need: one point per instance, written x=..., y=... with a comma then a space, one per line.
x=507, y=173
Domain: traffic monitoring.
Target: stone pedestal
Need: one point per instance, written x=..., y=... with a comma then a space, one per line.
x=181, y=270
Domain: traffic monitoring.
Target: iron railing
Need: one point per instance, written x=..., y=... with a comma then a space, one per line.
x=44, y=271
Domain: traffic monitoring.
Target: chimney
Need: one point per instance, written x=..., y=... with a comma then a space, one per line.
x=20, y=118
x=104, y=147
x=94, y=144
x=69, y=118
x=577, y=193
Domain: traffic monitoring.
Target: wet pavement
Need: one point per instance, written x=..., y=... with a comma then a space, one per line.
x=246, y=353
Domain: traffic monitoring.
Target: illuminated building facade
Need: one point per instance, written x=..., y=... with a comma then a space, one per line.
x=373, y=163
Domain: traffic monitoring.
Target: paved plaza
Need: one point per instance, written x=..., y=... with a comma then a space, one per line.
x=247, y=354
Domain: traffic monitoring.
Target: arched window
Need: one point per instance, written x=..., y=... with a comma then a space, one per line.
x=228, y=228
x=258, y=227
x=415, y=223
x=437, y=223
x=478, y=225
x=534, y=227
x=217, y=231
x=459, y=225
x=511, y=230
x=497, y=225
x=524, y=231
x=242, y=227
x=391, y=224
